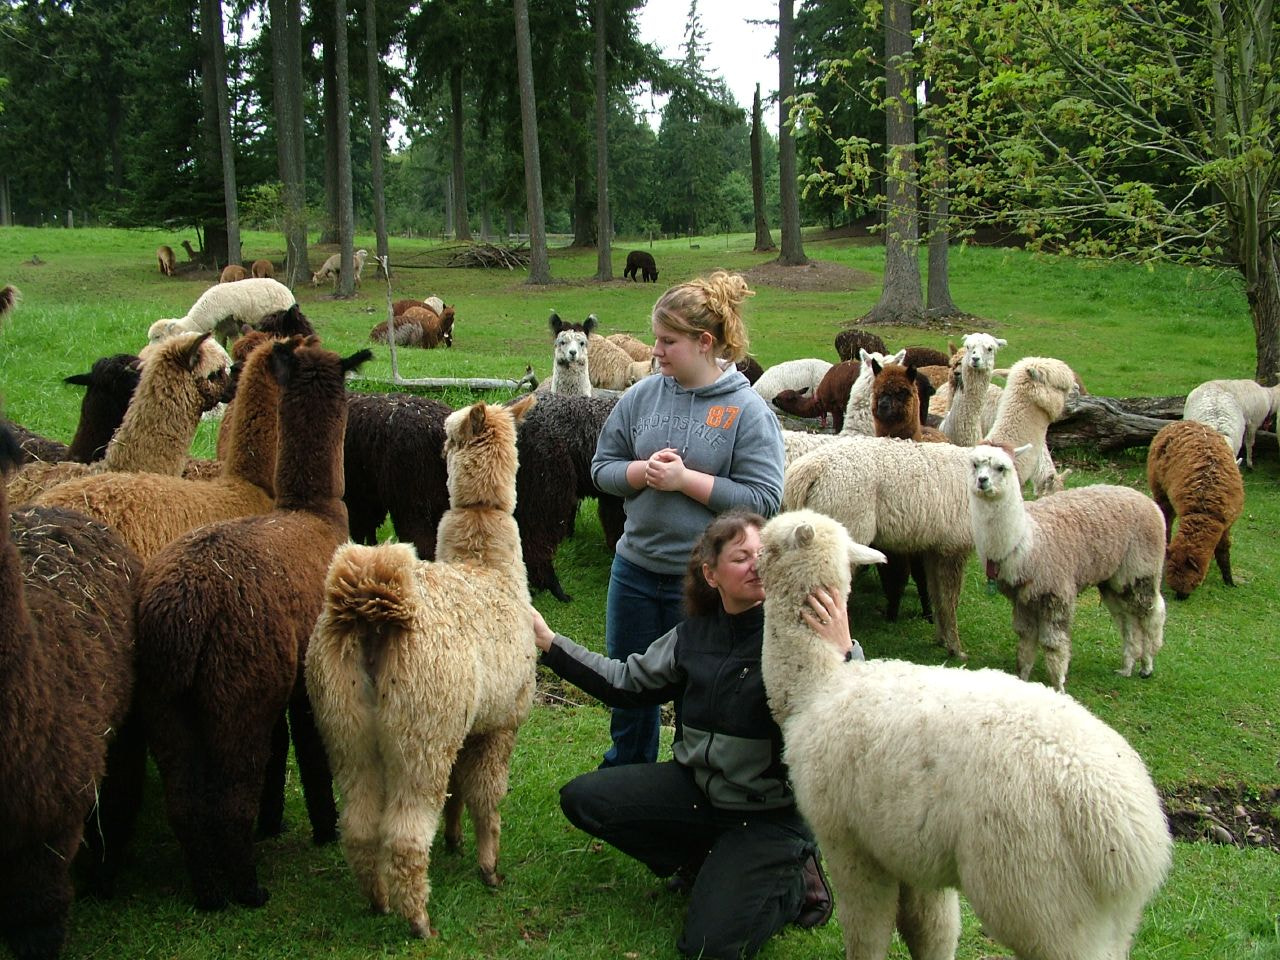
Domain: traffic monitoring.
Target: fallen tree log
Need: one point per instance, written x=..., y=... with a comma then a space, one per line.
x=1110, y=423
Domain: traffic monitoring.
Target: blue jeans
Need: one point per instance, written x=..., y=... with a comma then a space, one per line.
x=641, y=607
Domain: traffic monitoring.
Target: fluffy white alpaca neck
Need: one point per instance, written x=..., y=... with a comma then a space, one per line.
x=857, y=412
x=1019, y=421
x=963, y=422
x=796, y=664
x=572, y=379
x=1003, y=533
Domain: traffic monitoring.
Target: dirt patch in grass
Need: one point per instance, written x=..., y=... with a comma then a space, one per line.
x=816, y=275
x=1239, y=815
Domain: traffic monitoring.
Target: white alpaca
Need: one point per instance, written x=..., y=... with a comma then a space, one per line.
x=1235, y=409
x=569, y=372
x=225, y=307
x=792, y=375
x=858, y=420
x=1043, y=553
x=964, y=422
x=921, y=781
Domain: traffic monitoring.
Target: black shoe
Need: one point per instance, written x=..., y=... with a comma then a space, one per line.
x=682, y=880
x=816, y=908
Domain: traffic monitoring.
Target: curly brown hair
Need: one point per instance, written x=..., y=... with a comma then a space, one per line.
x=712, y=305
x=700, y=598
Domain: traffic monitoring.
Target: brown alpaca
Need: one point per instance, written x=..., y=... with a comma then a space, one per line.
x=66, y=676
x=262, y=268
x=233, y=272
x=432, y=664
x=1194, y=477
x=181, y=378
x=164, y=257
x=151, y=510
x=418, y=326
x=895, y=404
x=224, y=615
x=830, y=396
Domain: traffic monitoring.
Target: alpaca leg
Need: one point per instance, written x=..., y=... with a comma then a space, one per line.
x=1055, y=637
x=1222, y=553
x=1153, y=633
x=945, y=574
x=111, y=823
x=893, y=575
x=1027, y=627
x=866, y=902
x=271, y=803
x=481, y=773
x=921, y=579
x=929, y=921
x=35, y=897
x=415, y=797
x=237, y=768
x=453, y=807
x=363, y=801
x=313, y=769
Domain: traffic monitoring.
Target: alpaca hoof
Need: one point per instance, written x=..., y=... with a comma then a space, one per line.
x=324, y=835
x=254, y=897
x=1146, y=674
x=491, y=878
x=1180, y=596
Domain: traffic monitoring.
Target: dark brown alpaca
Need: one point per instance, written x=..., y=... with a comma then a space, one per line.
x=224, y=616
x=66, y=676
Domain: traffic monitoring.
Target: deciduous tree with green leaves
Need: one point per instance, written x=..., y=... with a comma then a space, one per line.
x=1122, y=128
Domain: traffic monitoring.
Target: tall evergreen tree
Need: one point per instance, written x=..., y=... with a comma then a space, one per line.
x=539, y=263
x=342, y=95
x=764, y=241
x=286, y=60
x=604, y=229
x=792, y=254
x=376, y=134
x=211, y=29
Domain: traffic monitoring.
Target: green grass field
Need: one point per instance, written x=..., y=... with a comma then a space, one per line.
x=1209, y=716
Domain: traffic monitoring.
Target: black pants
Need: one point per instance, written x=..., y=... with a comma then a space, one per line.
x=750, y=885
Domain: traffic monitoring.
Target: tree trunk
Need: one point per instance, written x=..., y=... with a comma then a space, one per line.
x=329, y=227
x=1264, y=306
x=764, y=241
x=342, y=105
x=461, y=216
x=285, y=33
x=209, y=155
x=900, y=299
x=376, y=137
x=792, y=249
x=539, y=264
x=604, y=221
x=211, y=27
x=6, y=211
x=583, y=214
x=938, y=227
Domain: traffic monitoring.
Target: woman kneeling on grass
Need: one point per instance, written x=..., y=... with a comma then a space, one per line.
x=720, y=820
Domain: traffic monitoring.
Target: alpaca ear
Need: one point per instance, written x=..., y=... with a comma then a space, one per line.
x=1034, y=374
x=863, y=356
x=191, y=356
x=522, y=406
x=556, y=322
x=860, y=554
x=10, y=452
x=476, y=420
x=803, y=535
x=899, y=356
x=589, y=324
x=78, y=379
x=354, y=361
x=1001, y=343
x=1019, y=451
x=875, y=366
x=911, y=373
x=283, y=362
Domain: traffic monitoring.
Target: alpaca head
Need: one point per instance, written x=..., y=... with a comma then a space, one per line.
x=895, y=401
x=803, y=549
x=979, y=351
x=164, y=328
x=1187, y=558
x=571, y=341
x=1046, y=382
x=992, y=475
x=286, y=323
x=446, y=325
x=198, y=356
x=480, y=454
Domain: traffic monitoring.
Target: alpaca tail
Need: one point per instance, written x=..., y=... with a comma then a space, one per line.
x=798, y=482
x=370, y=586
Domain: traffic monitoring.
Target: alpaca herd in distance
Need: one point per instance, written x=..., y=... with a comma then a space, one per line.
x=212, y=611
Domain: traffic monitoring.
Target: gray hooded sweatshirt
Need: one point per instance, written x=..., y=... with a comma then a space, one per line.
x=724, y=429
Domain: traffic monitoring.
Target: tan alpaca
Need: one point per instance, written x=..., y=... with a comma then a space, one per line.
x=421, y=672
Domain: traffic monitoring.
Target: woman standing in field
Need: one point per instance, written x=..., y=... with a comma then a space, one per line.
x=679, y=449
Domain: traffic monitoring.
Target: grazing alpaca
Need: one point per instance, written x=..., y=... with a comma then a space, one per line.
x=286, y=323
x=1193, y=476
x=920, y=781
x=164, y=257
x=66, y=676
x=418, y=326
x=233, y=272
x=1043, y=553
x=421, y=673
x=569, y=372
x=226, y=307
x=151, y=510
x=849, y=343
x=224, y=616
x=181, y=378
x=262, y=268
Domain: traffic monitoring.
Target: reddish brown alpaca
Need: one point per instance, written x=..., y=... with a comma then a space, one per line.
x=224, y=616
x=66, y=676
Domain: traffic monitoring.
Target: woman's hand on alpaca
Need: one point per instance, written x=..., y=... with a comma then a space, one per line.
x=827, y=615
x=542, y=634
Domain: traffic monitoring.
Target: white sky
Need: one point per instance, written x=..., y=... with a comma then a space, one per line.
x=737, y=50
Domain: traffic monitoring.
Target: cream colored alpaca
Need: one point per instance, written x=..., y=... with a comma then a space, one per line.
x=152, y=510
x=181, y=378
x=421, y=672
x=1035, y=395
x=966, y=422
x=921, y=781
